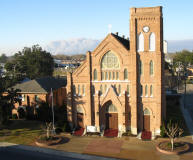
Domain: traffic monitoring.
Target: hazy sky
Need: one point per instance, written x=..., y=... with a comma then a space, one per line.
x=28, y=22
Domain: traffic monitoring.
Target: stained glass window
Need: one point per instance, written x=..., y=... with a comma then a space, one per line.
x=95, y=74
x=83, y=90
x=151, y=90
x=151, y=67
x=113, y=75
x=146, y=112
x=103, y=75
x=110, y=61
x=117, y=75
x=127, y=89
x=125, y=74
x=146, y=91
x=111, y=108
x=101, y=89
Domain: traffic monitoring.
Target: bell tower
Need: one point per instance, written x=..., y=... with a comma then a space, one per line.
x=146, y=47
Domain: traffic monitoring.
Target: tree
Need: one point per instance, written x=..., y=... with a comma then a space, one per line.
x=3, y=58
x=184, y=57
x=31, y=62
x=7, y=102
x=173, y=130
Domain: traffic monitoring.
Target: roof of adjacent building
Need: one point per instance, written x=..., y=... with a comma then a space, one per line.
x=41, y=85
x=123, y=41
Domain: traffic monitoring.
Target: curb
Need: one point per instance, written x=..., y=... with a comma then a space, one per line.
x=53, y=152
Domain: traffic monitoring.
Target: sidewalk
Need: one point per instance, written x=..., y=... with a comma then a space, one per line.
x=120, y=148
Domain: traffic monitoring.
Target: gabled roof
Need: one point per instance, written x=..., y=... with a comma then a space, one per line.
x=41, y=85
x=123, y=41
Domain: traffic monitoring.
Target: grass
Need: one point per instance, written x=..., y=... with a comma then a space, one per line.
x=21, y=132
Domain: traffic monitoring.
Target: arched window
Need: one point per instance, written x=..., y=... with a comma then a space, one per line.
x=119, y=89
x=125, y=74
x=74, y=89
x=110, y=61
x=151, y=90
x=83, y=90
x=95, y=74
x=146, y=112
x=141, y=90
x=140, y=42
x=151, y=68
x=127, y=89
x=79, y=109
x=113, y=75
x=78, y=89
x=93, y=90
x=111, y=108
x=117, y=75
x=102, y=76
x=140, y=67
x=152, y=42
x=106, y=75
x=146, y=92
x=110, y=76
x=105, y=87
x=101, y=89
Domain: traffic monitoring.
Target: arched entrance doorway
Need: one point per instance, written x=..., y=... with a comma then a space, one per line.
x=146, y=120
x=80, y=117
x=111, y=116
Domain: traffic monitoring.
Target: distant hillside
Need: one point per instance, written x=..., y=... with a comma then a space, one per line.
x=82, y=45
x=72, y=46
x=178, y=45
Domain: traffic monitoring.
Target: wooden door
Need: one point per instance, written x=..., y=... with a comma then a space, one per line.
x=111, y=120
x=80, y=119
x=146, y=122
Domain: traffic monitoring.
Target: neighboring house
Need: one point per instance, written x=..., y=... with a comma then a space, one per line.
x=190, y=72
x=38, y=90
x=120, y=85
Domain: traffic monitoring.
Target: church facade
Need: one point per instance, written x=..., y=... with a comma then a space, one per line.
x=120, y=85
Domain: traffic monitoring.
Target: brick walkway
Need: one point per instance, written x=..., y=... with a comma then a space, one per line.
x=122, y=148
x=104, y=146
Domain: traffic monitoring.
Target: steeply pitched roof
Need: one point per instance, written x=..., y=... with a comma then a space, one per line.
x=41, y=85
x=123, y=41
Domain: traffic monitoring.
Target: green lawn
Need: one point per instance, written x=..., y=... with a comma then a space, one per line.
x=21, y=132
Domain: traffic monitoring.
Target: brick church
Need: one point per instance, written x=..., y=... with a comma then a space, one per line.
x=120, y=85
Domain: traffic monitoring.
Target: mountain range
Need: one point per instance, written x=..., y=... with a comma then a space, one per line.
x=82, y=45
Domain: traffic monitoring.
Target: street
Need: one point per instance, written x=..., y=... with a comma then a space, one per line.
x=189, y=104
x=8, y=153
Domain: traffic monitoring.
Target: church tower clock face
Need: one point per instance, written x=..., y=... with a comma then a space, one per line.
x=146, y=29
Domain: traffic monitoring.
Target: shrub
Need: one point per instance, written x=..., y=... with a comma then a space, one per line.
x=21, y=113
x=162, y=131
x=14, y=116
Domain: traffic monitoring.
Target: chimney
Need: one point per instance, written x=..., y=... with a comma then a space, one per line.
x=117, y=33
x=123, y=36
